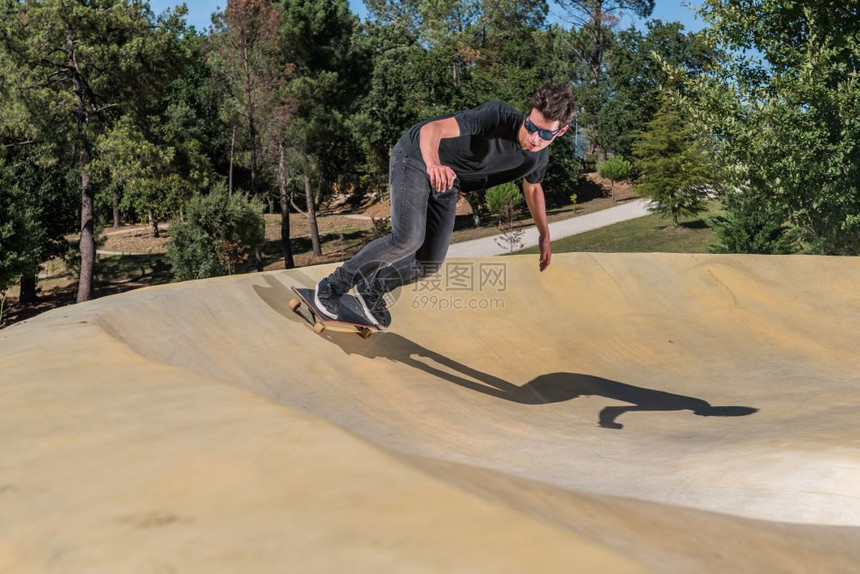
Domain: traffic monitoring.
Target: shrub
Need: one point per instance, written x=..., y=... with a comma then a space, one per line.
x=614, y=169
x=752, y=225
x=562, y=175
x=220, y=233
x=503, y=197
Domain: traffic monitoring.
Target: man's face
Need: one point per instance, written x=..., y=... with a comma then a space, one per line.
x=533, y=141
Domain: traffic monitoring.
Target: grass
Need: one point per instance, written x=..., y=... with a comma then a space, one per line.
x=649, y=234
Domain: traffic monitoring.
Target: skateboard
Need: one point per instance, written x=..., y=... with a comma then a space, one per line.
x=351, y=318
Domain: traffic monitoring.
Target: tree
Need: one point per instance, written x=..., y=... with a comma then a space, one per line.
x=752, y=226
x=594, y=21
x=145, y=169
x=636, y=72
x=316, y=38
x=20, y=233
x=785, y=122
x=675, y=170
x=614, y=169
x=562, y=175
x=222, y=231
x=74, y=66
x=505, y=200
x=39, y=194
x=244, y=55
x=395, y=93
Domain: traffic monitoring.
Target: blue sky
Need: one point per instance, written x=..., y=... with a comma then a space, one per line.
x=200, y=11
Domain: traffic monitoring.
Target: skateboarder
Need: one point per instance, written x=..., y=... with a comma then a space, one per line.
x=434, y=160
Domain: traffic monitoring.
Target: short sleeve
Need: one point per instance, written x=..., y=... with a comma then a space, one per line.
x=539, y=172
x=483, y=119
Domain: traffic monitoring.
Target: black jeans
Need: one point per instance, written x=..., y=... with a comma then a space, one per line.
x=421, y=225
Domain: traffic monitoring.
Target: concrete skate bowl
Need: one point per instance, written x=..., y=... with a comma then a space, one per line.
x=616, y=413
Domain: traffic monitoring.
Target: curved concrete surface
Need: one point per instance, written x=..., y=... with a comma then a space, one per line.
x=617, y=413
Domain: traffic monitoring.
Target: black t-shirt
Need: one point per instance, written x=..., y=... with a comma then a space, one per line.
x=487, y=152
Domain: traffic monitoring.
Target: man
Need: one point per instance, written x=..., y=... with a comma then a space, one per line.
x=434, y=160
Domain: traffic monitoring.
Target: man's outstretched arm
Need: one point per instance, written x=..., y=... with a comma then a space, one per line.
x=537, y=206
x=441, y=176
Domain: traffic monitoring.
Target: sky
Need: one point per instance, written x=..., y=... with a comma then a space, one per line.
x=200, y=11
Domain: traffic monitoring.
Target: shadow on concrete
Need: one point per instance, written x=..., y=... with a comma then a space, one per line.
x=545, y=389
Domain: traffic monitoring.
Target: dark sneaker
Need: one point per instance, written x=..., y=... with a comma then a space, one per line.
x=373, y=303
x=327, y=298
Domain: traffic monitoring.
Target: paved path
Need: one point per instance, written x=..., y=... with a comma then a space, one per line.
x=487, y=246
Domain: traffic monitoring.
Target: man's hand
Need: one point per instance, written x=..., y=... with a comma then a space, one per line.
x=441, y=177
x=537, y=207
x=545, y=252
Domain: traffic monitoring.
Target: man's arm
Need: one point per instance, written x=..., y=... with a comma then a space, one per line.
x=441, y=176
x=537, y=206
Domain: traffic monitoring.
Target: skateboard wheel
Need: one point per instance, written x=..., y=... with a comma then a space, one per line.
x=365, y=333
x=319, y=328
x=294, y=304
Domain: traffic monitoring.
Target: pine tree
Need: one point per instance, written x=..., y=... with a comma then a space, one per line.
x=76, y=66
x=752, y=224
x=316, y=39
x=675, y=169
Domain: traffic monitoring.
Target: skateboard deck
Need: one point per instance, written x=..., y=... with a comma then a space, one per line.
x=350, y=315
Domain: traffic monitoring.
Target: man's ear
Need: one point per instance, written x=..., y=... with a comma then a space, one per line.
x=563, y=130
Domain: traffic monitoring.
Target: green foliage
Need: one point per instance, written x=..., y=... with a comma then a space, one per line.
x=144, y=170
x=505, y=200
x=325, y=86
x=502, y=198
x=787, y=129
x=400, y=91
x=637, y=69
x=586, y=48
x=76, y=67
x=562, y=175
x=752, y=224
x=20, y=233
x=220, y=233
x=615, y=169
x=676, y=172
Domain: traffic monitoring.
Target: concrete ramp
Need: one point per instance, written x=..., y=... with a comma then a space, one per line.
x=617, y=413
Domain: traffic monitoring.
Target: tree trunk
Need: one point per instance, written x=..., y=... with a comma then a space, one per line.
x=476, y=216
x=312, y=216
x=87, y=244
x=88, y=240
x=285, y=209
x=297, y=209
x=153, y=222
x=115, y=201
x=28, y=289
x=230, y=175
x=252, y=129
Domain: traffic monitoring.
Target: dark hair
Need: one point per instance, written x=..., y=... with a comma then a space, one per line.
x=555, y=102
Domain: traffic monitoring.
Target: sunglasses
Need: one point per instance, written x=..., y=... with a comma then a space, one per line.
x=544, y=134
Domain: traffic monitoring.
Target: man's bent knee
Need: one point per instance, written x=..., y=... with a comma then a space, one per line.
x=403, y=246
